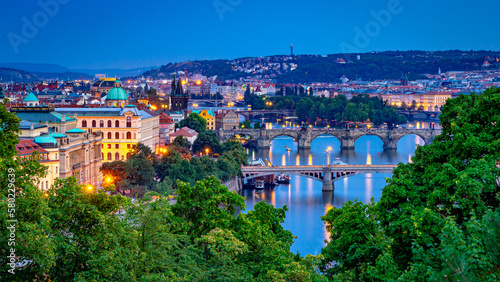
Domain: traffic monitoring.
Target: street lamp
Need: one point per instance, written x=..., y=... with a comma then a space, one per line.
x=328, y=156
x=207, y=151
x=89, y=188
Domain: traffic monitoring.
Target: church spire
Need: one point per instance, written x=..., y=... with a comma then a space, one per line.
x=179, y=88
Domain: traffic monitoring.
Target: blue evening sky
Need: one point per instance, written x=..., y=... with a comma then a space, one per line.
x=127, y=34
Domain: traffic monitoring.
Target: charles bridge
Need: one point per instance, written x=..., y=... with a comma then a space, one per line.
x=347, y=137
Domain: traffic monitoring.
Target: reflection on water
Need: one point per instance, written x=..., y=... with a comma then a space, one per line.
x=303, y=196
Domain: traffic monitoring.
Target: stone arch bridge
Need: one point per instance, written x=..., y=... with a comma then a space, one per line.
x=326, y=174
x=347, y=137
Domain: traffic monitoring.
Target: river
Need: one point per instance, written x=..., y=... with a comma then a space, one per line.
x=304, y=198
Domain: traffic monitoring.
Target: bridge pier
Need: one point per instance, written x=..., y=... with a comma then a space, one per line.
x=347, y=143
x=327, y=179
x=263, y=143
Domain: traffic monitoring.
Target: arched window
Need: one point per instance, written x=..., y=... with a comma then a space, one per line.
x=129, y=122
x=109, y=123
x=94, y=123
x=109, y=135
x=128, y=155
x=117, y=135
x=129, y=135
x=101, y=123
x=117, y=123
x=102, y=135
x=109, y=156
x=117, y=156
x=84, y=123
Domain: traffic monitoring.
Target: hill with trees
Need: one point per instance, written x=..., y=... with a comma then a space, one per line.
x=327, y=68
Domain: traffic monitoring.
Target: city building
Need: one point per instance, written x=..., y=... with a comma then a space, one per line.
x=209, y=116
x=121, y=128
x=178, y=98
x=185, y=132
x=25, y=148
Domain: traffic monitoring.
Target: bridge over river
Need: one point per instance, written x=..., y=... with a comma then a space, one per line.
x=327, y=174
x=347, y=137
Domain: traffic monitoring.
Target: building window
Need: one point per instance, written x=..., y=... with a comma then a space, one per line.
x=94, y=123
x=117, y=123
x=47, y=184
x=42, y=185
x=102, y=155
x=109, y=146
x=109, y=156
x=56, y=169
x=109, y=135
x=109, y=123
x=117, y=135
x=117, y=146
x=128, y=146
x=84, y=123
x=128, y=155
x=101, y=123
x=129, y=135
x=129, y=122
x=102, y=135
x=117, y=156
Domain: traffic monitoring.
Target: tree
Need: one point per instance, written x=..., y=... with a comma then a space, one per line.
x=205, y=141
x=9, y=130
x=245, y=124
x=413, y=105
x=182, y=142
x=257, y=125
x=195, y=122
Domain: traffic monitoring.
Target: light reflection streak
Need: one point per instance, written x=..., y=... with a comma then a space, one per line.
x=368, y=187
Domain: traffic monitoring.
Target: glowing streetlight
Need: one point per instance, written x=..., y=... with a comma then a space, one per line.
x=89, y=188
x=328, y=150
x=207, y=151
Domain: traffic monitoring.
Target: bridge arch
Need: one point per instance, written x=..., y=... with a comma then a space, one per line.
x=366, y=136
x=419, y=139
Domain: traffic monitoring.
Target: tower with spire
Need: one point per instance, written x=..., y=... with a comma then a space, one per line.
x=178, y=97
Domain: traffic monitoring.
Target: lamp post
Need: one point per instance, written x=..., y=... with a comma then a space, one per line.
x=207, y=151
x=328, y=155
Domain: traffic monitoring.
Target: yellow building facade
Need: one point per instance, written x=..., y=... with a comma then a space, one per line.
x=121, y=128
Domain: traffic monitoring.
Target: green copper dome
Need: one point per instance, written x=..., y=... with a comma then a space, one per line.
x=31, y=98
x=117, y=93
x=45, y=139
x=76, y=130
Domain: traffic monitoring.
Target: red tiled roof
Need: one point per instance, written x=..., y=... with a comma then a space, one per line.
x=27, y=147
x=185, y=131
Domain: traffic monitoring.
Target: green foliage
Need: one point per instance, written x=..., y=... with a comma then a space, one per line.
x=257, y=125
x=180, y=141
x=9, y=130
x=195, y=122
x=436, y=211
x=245, y=124
x=206, y=140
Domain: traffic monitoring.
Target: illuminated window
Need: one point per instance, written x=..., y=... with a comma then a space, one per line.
x=129, y=122
x=101, y=123
x=129, y=135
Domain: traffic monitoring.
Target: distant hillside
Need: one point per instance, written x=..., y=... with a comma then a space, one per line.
x=29, y=67
x=21, y=76
x=317, y=68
